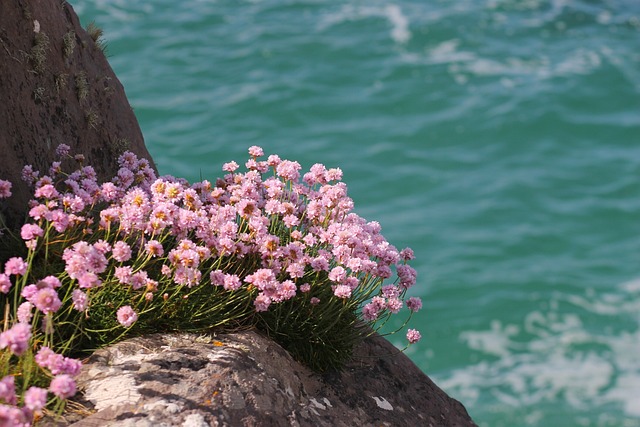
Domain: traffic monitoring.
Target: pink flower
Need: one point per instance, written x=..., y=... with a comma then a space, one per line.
x=407, y=276
x=12, y=416
x=49, y=282
x=25, y=312
x=314, y=301
x=413, y=336
x=8, y=390
x=406, y=254
x=217, y=277
x=256, y=151
x=121, y=251
x=394, y=305
x=60, y=220
x=15, y=266
x=35, y=398
x=232, y=282
x=262, y=303
x=123, y=274
x=62, y=150
x=126, y=316
x=5, y=189
x=305, y=287
x=291, y=220
x=154, y=248
x=273, y=160
x=287, y=290
x=342, y=291
x=414, y=304
x=17, y=338
x=46, y=300
x=109, y=191
x=5, y=283
x=370, y=312
x=88, y=280
x=139, y=279
x=334, y=174
x=390, y=291
x=338, y=274
x=230, y=167
x=63, y=386
x=47, y=191
x=80, y=301
x=288, y=170
x=29, y=175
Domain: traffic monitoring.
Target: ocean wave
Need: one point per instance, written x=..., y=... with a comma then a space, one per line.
x=400, y=32
x=555, y=354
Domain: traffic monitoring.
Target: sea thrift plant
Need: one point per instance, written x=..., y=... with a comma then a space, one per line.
x=272, y=247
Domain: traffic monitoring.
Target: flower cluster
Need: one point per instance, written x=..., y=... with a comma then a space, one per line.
x=270, y=247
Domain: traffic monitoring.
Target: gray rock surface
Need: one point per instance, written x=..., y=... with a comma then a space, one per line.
x=246, y=379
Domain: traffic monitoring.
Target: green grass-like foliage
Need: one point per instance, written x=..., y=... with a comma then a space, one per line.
x=267, y=248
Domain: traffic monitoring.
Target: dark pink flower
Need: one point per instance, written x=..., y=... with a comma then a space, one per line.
x=5, y=189
x=413, y=336
x=414, y=304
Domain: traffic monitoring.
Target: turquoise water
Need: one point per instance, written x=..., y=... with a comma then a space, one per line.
x=499, y=139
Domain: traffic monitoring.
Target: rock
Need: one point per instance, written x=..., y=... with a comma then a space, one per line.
x=246, y=379
x=56, y=87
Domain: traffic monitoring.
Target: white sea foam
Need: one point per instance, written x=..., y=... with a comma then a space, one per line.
x=562, y=359
x=400, y=32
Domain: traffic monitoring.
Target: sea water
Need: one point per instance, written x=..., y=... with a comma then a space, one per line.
x=499, y=139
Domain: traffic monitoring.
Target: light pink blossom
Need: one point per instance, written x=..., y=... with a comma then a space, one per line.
x=16, y=339
x=15, y=266
x=126, y=316
x=63, y=386
x=5, y=283
x=8, y=390
x=35, y=398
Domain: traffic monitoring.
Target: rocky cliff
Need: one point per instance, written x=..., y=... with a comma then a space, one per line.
x=56, y=87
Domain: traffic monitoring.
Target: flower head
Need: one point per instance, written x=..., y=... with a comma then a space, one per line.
x=63, y=386
x=15, y=266
x=8, y=390
x=126, y=316
x=414, y=304
x=413, y=336
x=17, y=338
x=35, y=398
x=5, y=189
